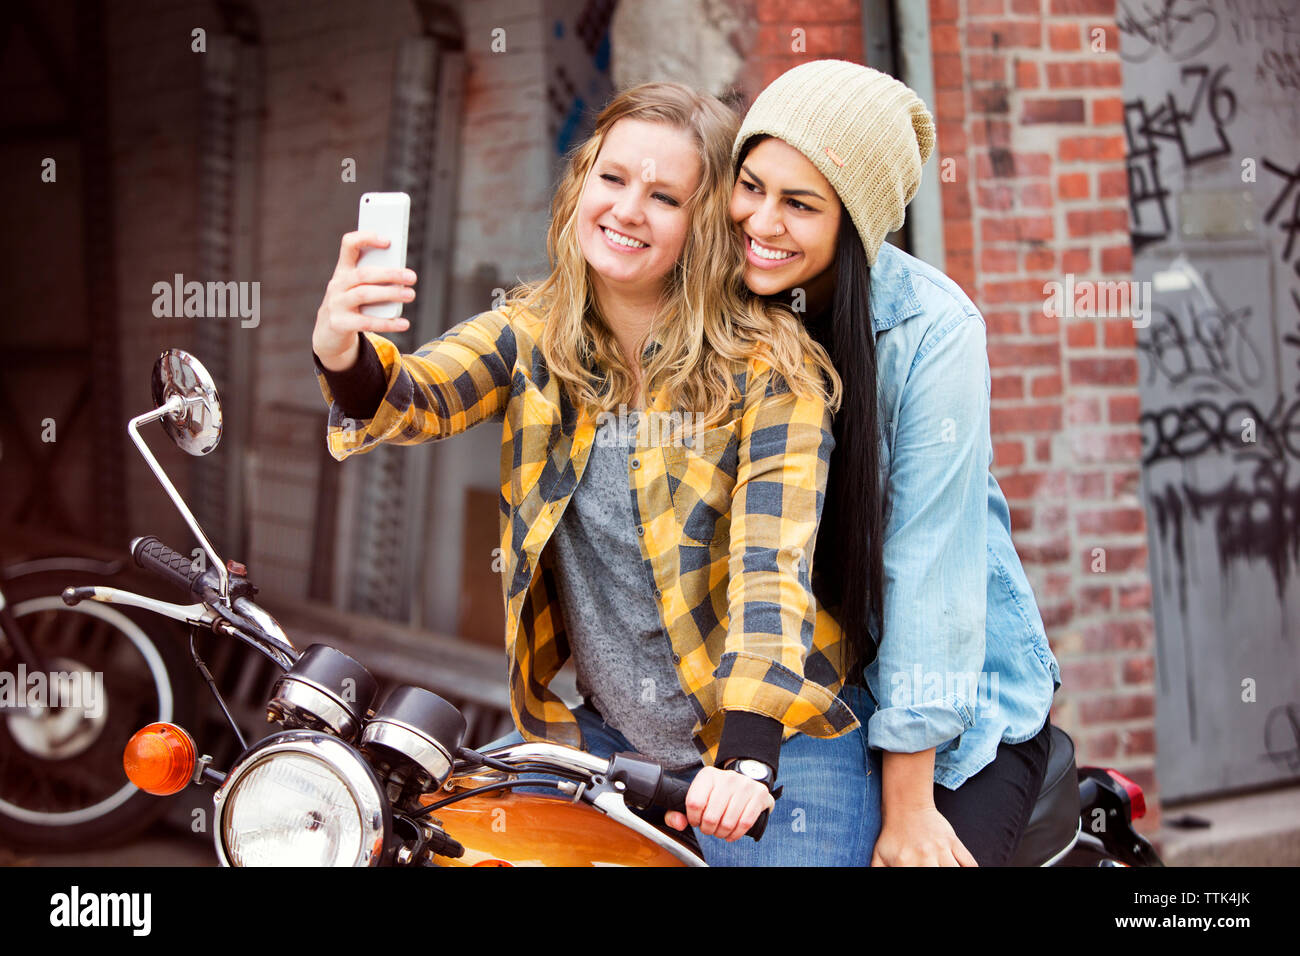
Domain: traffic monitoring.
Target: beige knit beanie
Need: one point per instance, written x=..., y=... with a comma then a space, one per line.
x=865, y=131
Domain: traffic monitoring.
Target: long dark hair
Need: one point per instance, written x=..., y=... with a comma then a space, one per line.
x=849, y=561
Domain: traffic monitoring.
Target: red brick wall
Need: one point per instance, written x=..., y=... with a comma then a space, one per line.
x=1031, y=162
x=831, y=29
x=1028, y=108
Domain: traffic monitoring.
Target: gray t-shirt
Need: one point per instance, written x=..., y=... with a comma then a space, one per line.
x=620, y=649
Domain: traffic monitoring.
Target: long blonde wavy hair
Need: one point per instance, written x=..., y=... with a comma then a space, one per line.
x=707, y=324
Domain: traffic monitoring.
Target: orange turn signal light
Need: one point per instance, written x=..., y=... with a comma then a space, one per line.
x=159, y=759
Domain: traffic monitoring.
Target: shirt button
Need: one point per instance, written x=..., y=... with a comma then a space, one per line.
x=677, y=658
x=636, y=462
x=658, y=593
x=640, y=530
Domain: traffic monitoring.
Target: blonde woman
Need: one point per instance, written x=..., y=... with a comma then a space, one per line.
x=663, y=460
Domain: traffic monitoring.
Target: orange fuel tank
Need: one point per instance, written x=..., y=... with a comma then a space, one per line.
x=525, y=829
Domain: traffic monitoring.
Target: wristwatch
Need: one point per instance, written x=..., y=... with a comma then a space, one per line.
x=753, y=769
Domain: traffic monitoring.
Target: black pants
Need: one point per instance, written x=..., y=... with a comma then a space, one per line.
x=989, y=811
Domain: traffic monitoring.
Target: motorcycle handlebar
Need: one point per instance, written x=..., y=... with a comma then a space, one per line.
x=671, y=795
x=154, y=556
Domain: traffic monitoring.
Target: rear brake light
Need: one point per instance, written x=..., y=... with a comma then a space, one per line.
x=1137, y=802
x=159, y=759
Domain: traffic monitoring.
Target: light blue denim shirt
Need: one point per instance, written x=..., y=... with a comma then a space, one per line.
x=963, y=661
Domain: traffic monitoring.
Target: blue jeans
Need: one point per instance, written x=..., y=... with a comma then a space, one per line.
x=827, y=815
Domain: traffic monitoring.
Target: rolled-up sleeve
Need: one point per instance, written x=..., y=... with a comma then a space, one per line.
x=453, y=383
x=784, y=455
x=931, y=646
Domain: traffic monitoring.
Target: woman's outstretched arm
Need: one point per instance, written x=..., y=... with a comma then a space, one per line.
x=377, y=394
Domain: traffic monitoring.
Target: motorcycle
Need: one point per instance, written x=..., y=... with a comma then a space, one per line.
x=75, y=683
x=350, y=779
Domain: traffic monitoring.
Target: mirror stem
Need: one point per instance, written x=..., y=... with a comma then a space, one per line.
x=175, y=405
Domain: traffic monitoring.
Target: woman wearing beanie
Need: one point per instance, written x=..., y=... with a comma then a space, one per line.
x=914, y=554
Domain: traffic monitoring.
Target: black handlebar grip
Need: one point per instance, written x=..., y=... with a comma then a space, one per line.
x=671, y=795
x=152, y=555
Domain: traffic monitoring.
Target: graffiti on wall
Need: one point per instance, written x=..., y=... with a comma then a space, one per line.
x=1255, y=510
x=1282, y=736
x=1194, y=119
x=1212, y=124
x=1176, y=29
x=1277, y=213
x=1202, y=348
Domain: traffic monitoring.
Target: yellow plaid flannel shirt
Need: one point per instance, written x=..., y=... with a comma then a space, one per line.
x=727, y=525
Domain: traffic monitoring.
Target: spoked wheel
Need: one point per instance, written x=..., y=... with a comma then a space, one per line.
x=62, y=731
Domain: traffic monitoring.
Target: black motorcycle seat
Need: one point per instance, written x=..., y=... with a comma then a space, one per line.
x=1055, y=817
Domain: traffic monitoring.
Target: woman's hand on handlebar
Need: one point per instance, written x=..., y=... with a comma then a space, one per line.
x=335, y=339
x=722, y=803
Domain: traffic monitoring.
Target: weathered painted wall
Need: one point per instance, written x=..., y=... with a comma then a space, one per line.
x=1212, y=118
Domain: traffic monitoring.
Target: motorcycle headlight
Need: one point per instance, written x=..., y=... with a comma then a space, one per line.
x=301, y=798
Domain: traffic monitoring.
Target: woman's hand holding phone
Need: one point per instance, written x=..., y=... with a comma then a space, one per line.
x=339, y=321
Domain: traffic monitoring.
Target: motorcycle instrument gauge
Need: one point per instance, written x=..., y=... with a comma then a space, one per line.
x=415, y=735
x=326, y=690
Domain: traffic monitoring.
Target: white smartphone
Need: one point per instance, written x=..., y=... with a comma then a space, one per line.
x=387, y=215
